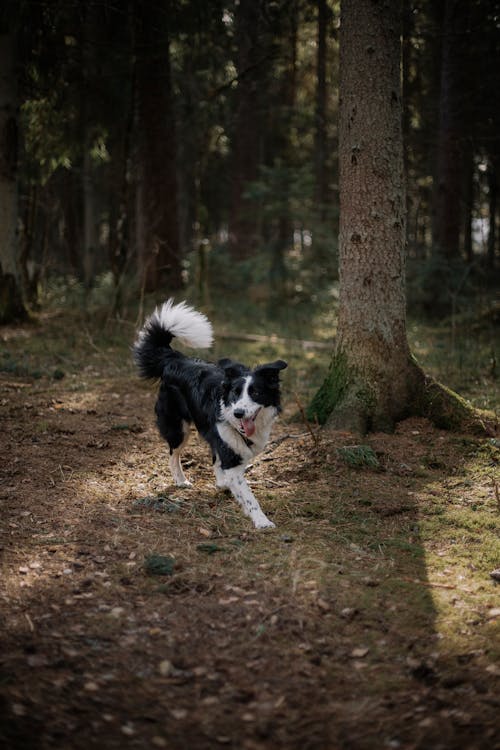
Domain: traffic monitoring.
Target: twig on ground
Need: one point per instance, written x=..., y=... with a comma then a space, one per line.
x=431, y=584
x=288, y=436
x=496, y=491
x=30, y=622
x=314, y=437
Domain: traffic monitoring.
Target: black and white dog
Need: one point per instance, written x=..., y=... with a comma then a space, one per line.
x=232, y=407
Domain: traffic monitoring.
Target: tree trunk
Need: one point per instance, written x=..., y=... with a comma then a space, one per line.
x=320, y=129
x=282, y=153
x=157, y=228
x=492, y=211
x=89, y=183
x=251, y=64
x=452, y=118
x=11, y=300
x=468, y=200
x=373, y=380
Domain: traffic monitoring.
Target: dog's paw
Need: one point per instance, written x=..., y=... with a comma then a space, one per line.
x=264, y=523
x=185, y=483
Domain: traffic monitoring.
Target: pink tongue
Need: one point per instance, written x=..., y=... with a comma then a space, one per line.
x=248, y=426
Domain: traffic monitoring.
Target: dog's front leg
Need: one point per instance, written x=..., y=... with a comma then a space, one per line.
x=235, y=481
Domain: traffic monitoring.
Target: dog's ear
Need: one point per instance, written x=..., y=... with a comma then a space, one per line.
x=271, y=370
x=231, y=368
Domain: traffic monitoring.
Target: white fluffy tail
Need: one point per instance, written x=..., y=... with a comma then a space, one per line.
x=184, y=323
x=152, y=347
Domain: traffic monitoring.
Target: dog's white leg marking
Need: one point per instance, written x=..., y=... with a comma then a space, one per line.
x=234, y=480
x=175, y=461
x=176, y=468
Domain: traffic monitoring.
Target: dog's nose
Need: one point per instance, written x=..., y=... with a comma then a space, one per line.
x=239, y=413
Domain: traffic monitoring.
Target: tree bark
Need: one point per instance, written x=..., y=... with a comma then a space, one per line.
x=89, y=209
x=452, y=120
x=251, y=66
x=373, y=380
x=11, y=299
x=282, y=155
x=492, y=210
x=320, y=129
x=157, y=229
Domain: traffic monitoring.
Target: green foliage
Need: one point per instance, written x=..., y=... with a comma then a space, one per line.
x=359, y=456
x=209, y=548
x=437, y=286
x=158, y=503
x=48, y=147
x=159, y=565
x=13, y=366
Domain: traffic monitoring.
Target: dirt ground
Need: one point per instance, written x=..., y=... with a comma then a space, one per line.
x=137, y=615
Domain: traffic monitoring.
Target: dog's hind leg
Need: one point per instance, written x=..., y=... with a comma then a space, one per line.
x=173, y=422
x=175, y=459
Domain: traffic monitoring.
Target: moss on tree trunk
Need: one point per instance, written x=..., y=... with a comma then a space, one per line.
x=358, y=401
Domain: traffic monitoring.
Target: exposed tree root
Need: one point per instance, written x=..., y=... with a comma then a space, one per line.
x=365, y=402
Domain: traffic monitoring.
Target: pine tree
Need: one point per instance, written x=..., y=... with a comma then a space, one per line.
x=373, y=380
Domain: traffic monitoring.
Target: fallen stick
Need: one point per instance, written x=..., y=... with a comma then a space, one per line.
x=431, y=584
x=272, y=339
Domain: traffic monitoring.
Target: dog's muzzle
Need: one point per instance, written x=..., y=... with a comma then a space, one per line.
x=247, y=424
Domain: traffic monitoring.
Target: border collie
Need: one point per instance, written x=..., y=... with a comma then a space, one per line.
x=232, y=407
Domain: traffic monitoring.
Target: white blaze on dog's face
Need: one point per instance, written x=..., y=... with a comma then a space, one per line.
x=246, y=395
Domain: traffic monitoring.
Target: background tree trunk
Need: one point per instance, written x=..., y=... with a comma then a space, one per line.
x=321, y=99
x=492, y=211
x=452, y=131
x=282, y=155
x=252, y=62
x=89, y=183
x=371, y=334
x=11, y=301
x=157, y=227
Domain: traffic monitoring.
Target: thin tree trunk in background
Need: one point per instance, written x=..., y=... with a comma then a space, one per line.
x=448, y=187
x=90, y=222
x=282, y=153
x=320, y=130
x=247, y=139
x=30, y=270
x=468, y=201
x=11, y=301
x=157, y=229
x=492, y=211
x=120, y=235
x=189, y=155
x=90, y=230
x=407, y=27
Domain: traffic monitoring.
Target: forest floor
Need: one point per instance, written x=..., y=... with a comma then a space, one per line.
x=134, y=614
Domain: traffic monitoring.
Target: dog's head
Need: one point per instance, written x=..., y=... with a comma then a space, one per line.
x=248, y=394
